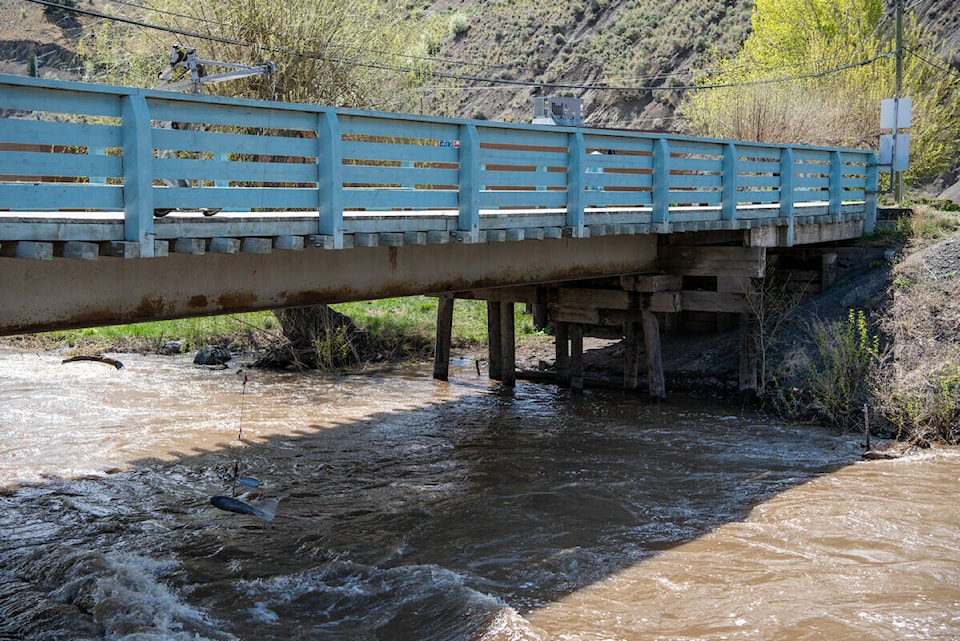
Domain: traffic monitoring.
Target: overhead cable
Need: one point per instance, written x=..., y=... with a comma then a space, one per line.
x=461, y=77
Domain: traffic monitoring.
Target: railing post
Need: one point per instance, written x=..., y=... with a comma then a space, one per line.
x=137, y=150
x=469, y=188
x=99, y=152
x=728, y=196
x=836, y=182
x=870, y=194
x=787, y=187
x=330, y=177
x=576, y=164
x=661, y=185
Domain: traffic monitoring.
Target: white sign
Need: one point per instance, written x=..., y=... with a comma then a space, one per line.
x=895, y=113
x=895, y=151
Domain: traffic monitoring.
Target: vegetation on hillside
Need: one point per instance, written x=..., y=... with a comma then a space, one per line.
x=839, y=57
x=335, y=52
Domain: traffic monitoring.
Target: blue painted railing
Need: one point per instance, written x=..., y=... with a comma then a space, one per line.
x=71, y=152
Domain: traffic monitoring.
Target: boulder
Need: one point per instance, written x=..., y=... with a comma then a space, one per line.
x=212, y=355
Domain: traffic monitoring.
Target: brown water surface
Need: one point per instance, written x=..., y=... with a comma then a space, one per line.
x=414, y=509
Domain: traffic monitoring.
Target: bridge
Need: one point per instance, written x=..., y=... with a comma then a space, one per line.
x=104, y=193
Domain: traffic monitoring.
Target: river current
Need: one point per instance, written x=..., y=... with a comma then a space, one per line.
x=412, y=509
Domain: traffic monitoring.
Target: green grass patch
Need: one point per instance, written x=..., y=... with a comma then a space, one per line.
x=410, y=320
x=416, y=316
x=234, y=329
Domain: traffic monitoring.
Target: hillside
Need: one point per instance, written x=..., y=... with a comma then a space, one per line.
x=625, y=42
x=564, y=42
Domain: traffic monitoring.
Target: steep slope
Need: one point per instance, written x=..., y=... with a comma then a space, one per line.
x=572, y=43
x=585, y=42
x=656, y=47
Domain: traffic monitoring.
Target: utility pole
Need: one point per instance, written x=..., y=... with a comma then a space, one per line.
x=897, y=176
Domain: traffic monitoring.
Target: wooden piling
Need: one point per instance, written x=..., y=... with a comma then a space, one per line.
x=651, y=340
x=495, y=368
x=748, y=357
x=562, y=341
x=508, y=350
x=576, y=357
x=441, y=356
x=631, y=355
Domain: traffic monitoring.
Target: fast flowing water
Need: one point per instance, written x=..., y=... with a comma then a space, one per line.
x=415, y=509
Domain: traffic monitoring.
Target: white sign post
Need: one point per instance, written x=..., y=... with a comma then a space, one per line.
x=895, y=114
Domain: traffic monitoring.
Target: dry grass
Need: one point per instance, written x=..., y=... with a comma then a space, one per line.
x=918, y=388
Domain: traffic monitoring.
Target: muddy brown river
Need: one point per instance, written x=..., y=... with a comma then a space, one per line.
x=411, y=509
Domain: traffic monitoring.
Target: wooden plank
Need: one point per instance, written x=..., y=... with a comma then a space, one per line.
x=414, y=238
x=438, y=237
x=735, y=285
x=120, y=249
x=224, y=245
x=195, y=246
x=362, y=239
x=596, y=298
x=747, y=262
x=587, y=316
x=651, y=282
x=252, y=245
x=80, y=250
x=288, y=243
x=522, y=294
x=29, y=249
x=713, y=302
x=390, y=239
x=552, y=232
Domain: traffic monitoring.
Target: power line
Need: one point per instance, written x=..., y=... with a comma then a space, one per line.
x=222, y=24
x=461, y=77
x=947, y=69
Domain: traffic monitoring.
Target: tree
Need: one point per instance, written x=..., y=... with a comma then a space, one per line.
x=838, y=57
x=334, y=52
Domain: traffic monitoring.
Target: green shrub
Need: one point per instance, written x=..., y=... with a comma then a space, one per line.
x=840, y=383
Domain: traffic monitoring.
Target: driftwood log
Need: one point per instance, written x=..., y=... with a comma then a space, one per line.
x=96, y=359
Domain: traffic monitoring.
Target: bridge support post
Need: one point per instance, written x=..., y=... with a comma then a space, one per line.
x=508, y=348
x=748, y=356
x=651, y=339
x=576, y=357
x=441, y=356
x=631, y=355
x=562, y=341
x=495, y=369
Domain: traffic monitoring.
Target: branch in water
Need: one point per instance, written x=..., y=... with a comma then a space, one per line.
x=98, y=359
